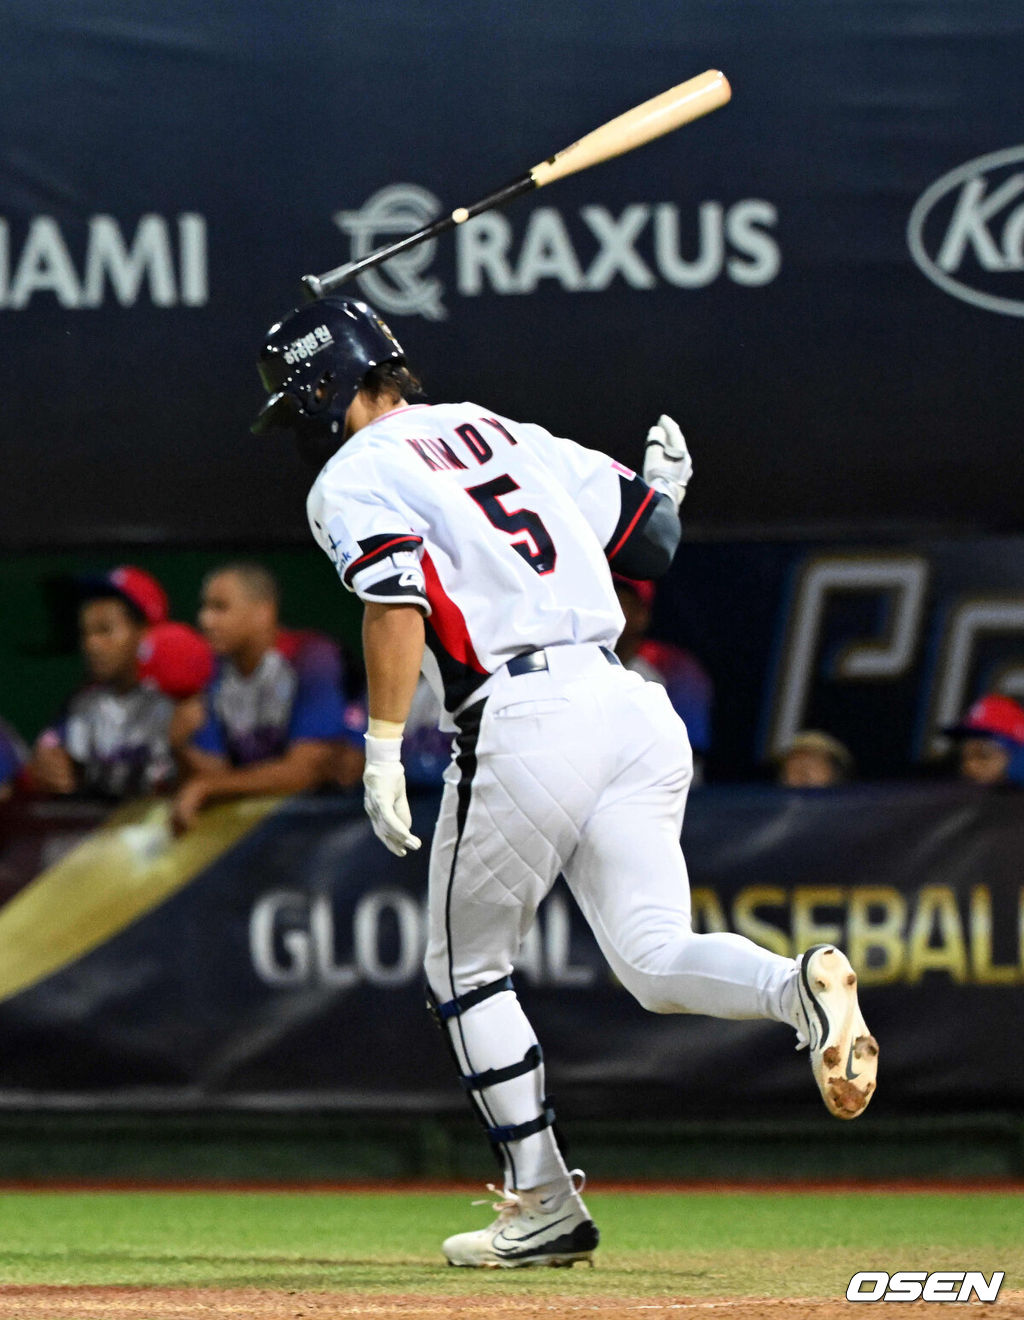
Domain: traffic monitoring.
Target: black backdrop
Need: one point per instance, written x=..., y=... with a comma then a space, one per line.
x=802, y=278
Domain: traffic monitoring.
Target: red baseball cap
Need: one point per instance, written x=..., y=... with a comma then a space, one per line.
x=176, y=659
x=993, y=716
x=137, y=588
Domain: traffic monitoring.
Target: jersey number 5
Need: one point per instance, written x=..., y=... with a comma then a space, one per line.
x=539, y=549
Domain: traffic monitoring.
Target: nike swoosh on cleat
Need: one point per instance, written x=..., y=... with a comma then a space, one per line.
x=850, y=1074
x=822, y=1018
x=513, y=1243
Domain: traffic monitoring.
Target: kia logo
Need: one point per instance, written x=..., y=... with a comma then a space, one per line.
x=966, y=232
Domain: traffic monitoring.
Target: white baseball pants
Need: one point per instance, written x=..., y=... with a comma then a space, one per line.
x=580, y=769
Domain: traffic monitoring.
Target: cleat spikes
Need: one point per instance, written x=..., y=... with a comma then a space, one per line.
x=844, y=1055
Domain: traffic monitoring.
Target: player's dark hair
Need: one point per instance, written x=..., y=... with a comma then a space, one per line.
x=257, y=582
x=134, y=613
x=393, y=379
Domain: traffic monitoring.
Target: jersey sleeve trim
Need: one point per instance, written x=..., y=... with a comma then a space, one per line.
x=375, y=548
x=396, y=589
x=637, y=504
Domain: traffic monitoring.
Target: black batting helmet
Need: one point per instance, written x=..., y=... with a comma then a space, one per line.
x=312, y=364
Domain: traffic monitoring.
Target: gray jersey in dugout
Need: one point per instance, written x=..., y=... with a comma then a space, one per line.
x=120, y=741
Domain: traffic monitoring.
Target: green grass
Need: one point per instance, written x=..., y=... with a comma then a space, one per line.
x=794, y=1244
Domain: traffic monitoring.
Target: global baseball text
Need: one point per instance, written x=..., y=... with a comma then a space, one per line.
x=297, y=938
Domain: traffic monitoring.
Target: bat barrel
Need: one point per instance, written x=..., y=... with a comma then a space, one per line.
x=661, y=114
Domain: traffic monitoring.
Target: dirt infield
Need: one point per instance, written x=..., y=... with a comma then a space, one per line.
x=60, y=1303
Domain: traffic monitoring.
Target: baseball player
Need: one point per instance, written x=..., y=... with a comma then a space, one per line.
x=112, y=739
x=990, y=741
x=272, y=711
x=482, y=549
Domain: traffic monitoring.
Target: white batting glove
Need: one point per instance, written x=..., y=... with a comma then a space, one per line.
x=667, y=463
x=384, y=798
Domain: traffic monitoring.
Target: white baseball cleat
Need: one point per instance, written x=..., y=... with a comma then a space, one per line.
x=526, y=1233
x=844, y=1054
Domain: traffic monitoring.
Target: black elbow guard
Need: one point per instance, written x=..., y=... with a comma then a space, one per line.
x=644, y=549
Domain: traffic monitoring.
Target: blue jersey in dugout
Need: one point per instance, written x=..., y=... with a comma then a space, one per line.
x=293, y=693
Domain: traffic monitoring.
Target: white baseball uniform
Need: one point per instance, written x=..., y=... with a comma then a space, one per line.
x=564, y=761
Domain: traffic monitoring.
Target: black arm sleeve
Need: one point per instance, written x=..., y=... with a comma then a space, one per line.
x=647, y=532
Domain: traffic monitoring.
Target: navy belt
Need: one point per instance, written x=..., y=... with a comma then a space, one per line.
x=534, y=662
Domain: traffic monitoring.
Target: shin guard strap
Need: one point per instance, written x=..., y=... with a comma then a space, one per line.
x=518, y=1131
x=494, y=1076
x=453, y=1007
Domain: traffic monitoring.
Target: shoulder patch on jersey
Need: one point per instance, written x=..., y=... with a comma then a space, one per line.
x=338, y=542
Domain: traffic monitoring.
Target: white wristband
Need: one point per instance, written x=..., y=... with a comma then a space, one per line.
x=675, y=490
x=380, y=751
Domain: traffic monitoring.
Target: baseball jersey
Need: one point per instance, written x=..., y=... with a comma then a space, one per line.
x=119, y=741
x=685, y=680
x=293, y=693
x=501, y=532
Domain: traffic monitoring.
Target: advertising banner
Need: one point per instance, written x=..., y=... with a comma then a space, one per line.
x=823, y=281
x=273, y=959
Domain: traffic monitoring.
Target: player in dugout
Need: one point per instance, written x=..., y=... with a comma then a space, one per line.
x=114, y=738
x=989, y=742
x=273, y=714
x=680, y=673
x=483, y=551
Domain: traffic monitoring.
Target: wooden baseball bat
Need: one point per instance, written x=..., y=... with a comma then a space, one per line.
x=661, y=114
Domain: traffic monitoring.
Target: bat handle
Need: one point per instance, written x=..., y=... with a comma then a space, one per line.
x=312, y=287
x=316, y=286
